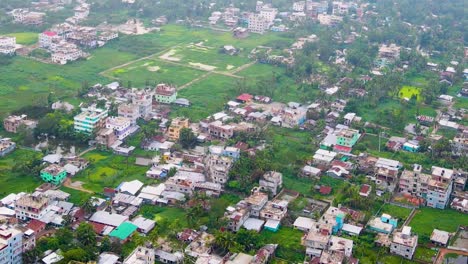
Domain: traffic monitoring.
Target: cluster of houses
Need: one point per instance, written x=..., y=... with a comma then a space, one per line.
x=66, y=41
x=27, y=17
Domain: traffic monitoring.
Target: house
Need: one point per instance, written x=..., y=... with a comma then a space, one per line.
x=108, y=219
x=351, y=229
x=271, y=182
x=64, y=106
x=414, y=182
x=31, y=206
x=121, y=126
x=274, y=210
x=108, y=258
x=89, y=120
x=460, y=204
x=244, y=98
x=200, y=245
x=304, y=224
x=404, y=243
x=165, y=93
x=7, y=45
x=124, y=231
x=54, y=174
x=346, y=139
x=383, y=224
x=130, y=111
x=130, y=188
x=217, y=130
x=365, y=190
x=12, y=123
x=164, y=256
x=236, y=216
x=440, y=237
x=143, y=99
x=176, y=126
x=411, y=146
x=323, y=157
x=6, y=146
x=309, y=171
x=144, y=225
x=264, y=254
x=256, y=201
x=106, y=137
x=317, y=239
x=141, y=255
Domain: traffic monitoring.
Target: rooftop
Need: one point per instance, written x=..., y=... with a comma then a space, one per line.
x=124, y=230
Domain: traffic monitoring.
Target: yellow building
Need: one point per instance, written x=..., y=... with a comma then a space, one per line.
x=176, y=126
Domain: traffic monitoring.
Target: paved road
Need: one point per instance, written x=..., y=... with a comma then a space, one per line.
x=444, y=251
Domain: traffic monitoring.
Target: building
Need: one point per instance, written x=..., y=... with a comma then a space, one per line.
x=317, y=239
x=144, y=100
x=31, y=206
x=6, y=146
x=121, y=126
x=404, y=243
x=391, y=52
x=165, y=93
x=329, y=20
x=90, y=120
x=440, y=237
x=460, y=204
x=130, y=111
x=11, y=245
x=256, y=201
x=217, y=130
x=236, y=216
x=54, y=174
x=124, y=231
x=340, y=8
x=439, y=187
x=12, y=123
x=141, y=255
x=414, y=182
x=258, y=24
x=346, y=139
x=271, y=182
x=384, y=224
x=106, y=137
x=7, y=45
x=176, y=126
x=46, y=37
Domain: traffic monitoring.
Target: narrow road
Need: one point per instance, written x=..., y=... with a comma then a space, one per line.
x=444, y=251
x=195, y=80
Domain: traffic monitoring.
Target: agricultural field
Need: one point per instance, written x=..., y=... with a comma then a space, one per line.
x=426, y=219
x=109, y=170
x=406, y=92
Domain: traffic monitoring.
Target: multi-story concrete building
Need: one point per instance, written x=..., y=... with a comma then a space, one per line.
x=258, y=24
x=256, y=201
x=218, y=168
x=176, y=126
x=414, y=182
x=46, y=37
x=144, y=100
x=7, y=45
x=298, y=6
x=6, y=146
x=165, y=93
x=12, y=123
x=340, y=8
x=346, y=139
x=90, y=120
x=130, y=111
x=272, y=182
x=11, y=245
x=317, y=239
x=31, y=206
x=217, y=130
x=274, y=210
x=236, y=216
x=404, y=243
x=141, y=255
x=121, y=126
x=439, y=187
x=54, y=174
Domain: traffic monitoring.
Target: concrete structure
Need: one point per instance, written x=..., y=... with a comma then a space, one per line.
x=31, y=207
x=121, y=126
x=130, y=111
x=383, y=224
x=176, y=126
x=141, y=255
x=347, y=138
x=404, y=243
x=7, y=45
x=143, y=99
x=11, y=245
x=440, y=187
x=90, y=120
x=54, y=174
x=440, y=237
x=165, y=93
x=217, y=130
x=271, y=182
x=12, y=123
x=6, y=146
x=414, y=182
x=46, y=37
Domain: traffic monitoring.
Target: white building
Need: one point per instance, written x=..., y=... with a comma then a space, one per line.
x=31, y=207
x=141, y=255
x=7, y=45
x=46, y=37
x=298, y=6
x=130, y=111
x=258, y=24
x=122, y=126
x=11, y=245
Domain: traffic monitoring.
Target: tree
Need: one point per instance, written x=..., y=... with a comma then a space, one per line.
x=106, y=244
x=77, y=254
x=64, y=237
x=85, y=235
x=187, y=138
x=224, y=241
x=88, y=206
x=31, y=256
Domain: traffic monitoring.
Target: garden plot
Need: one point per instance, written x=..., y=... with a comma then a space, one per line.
x=150, y=70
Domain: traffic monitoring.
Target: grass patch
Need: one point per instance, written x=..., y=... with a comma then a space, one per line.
x=12, y=181
x=401, y=213
x=168, y=214
x=406, y=92
x=427, y=219
x=289, y=241
x=76, y=197
x=25, y=38
x=424, y=254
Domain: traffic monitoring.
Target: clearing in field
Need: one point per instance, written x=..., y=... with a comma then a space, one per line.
x=426, y=219
x=155, y=71
x=25, y=38
x=406, y=92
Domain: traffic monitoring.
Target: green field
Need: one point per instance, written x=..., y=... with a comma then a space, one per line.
x=155, y=71
x=76, y=197
x=25, y=38
x=426, y=219
x=290, y=247
x=13, y=181
x=109, y=170
x=401, y=213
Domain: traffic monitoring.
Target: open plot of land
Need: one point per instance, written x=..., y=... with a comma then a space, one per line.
x=401, y=213
x=426, y=219
x=11, y=180
x=108, y=170
x=290, y=243
x=155, y=71
x=25, y=38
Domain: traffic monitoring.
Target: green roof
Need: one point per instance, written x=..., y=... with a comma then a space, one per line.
x=124, y=230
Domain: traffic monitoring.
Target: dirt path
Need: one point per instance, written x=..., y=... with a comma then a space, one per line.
x=194, y=81
x=444, y=251
x=68, y=183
